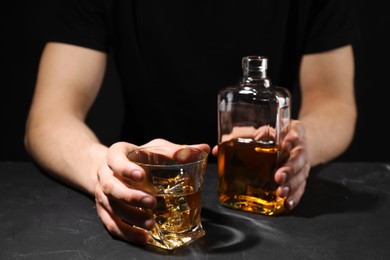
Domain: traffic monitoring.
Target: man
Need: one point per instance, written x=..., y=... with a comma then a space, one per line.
x=172, y=58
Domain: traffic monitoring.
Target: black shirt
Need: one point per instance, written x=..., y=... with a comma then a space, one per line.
x=173, y=56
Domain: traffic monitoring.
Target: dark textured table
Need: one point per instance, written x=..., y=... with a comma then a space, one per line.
x=344, y=214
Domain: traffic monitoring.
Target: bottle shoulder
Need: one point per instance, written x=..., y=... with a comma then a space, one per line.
x=248, y=88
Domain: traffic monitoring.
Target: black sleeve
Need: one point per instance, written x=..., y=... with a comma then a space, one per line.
x=79, y=22
x=332, y=24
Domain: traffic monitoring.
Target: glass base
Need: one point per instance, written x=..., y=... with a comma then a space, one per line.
x=255, y=205
x=170, y=241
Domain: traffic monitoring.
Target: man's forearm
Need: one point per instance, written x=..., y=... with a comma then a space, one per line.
x=329, y=131
x=67, y=149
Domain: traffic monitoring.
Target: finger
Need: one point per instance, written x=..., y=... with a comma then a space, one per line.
x=114, y=188
x=191, y=153
x=293, y=188
x=119, y=228
x=297, y=159
x=118, y=162
x=294, y=172
x=129, y=214
x=133, y=215
x=215, y=150
x=295, y=136
x=166, y=150
x=163, y=142
x=204, y=147
x=294, y=199
x=295, y=180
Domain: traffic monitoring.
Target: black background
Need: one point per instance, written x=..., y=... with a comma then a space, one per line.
x=21, y=44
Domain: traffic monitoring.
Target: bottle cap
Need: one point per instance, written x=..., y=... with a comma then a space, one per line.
x=254, y=63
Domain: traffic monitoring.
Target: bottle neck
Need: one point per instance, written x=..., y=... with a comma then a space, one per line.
x=249, y=76
x=254, y=69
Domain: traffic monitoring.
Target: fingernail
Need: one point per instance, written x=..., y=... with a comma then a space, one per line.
x=284, y=177
x=291, y=204
x=136, y=175
x=149, y=224
x=147, y=202
x=285, y=190
x=183, y=154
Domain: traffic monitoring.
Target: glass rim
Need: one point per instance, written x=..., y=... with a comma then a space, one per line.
x=173, y=162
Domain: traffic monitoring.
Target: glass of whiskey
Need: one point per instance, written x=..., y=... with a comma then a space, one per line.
x=174, y=174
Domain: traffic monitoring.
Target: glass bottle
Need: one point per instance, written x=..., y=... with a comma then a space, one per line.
x=253, y=117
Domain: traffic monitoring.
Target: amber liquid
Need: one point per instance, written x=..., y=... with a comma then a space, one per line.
x=246, y=176
x=177, y=220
